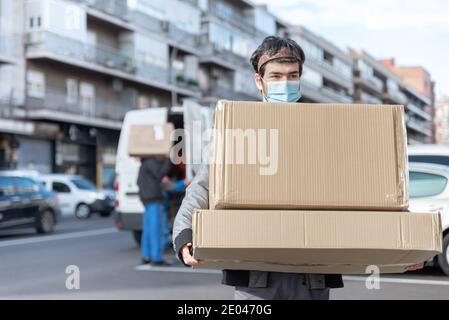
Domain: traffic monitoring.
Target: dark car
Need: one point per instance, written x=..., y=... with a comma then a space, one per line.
x=24, y=202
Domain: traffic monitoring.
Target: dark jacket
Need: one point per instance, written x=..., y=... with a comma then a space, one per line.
x=151, y=172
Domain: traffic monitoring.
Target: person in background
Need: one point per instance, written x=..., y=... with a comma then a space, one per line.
x=149, y=181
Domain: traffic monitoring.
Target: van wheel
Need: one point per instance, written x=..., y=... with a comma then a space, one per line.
x=443, y=259
x=46, y=222
x=82, y=211
x=137, y=235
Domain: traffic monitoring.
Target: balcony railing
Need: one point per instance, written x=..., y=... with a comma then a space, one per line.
x=364, y=98
x=329, y=94
x=101, y=56
x=396, y=96
x=9, y=46
x=56, y=99
x=212, y=50
x=74, y=49
x=372, y=81
x=237, y=20
x=330, y=68
x=117, y=8
x=417, y=110
x=418, y=125
x=335, y=95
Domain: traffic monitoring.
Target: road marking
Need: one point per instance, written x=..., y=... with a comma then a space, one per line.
x=175, y=269
x=347, y=278
x=73, y=235
x=401, y=281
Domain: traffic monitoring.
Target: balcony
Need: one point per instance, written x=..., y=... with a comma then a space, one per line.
x=336, y=96
x=221, y=92
x=418, y=111
x=372, y=83
x=175, y=36
x=116, y=8
x=323, y=94
x=211, y=53
x=55, y=101
x=235, y=19
x=9, y=48
x=368, y=99
x=395, y=96
x=417, y=125
x=102, y=59
x=336, y=76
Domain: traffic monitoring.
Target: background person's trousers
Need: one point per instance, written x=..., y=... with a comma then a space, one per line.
x=282, y=286
x=152, y=235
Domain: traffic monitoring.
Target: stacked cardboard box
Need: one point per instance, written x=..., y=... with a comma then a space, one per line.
x=316, y=188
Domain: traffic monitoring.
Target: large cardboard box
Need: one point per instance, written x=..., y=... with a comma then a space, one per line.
x=308, y=156
x=150, y=140
x=345, y=242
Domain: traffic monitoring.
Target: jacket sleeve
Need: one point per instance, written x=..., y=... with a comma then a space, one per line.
x=196, y=197
x=166, y=167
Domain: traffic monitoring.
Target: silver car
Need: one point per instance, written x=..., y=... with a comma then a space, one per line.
x=429, y=192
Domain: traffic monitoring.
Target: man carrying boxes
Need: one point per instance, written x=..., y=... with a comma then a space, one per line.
x=278, y=66
x=298, y=194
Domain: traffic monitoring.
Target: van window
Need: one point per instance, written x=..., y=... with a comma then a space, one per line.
x=444, y=160
x=60, y=187
x=426, y=184
x=6, y=186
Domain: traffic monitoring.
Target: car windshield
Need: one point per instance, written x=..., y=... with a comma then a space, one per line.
x=83, y=184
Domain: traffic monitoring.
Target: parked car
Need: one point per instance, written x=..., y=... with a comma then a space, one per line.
x=429, y=192
x=24, y=202
x=429, y=153
x=79, y=196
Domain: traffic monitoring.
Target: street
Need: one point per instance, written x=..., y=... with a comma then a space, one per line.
x=34, y=267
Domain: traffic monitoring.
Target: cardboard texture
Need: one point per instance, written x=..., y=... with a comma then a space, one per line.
x=342, y=242
x=308, y=156
x=150, y=140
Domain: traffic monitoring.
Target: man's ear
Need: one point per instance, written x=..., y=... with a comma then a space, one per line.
x=258, y=81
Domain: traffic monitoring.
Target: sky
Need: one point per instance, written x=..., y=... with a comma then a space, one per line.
x=414, y=32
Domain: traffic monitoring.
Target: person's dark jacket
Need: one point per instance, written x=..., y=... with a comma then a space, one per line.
x=151, y=172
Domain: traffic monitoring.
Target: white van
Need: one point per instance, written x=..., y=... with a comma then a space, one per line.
x=128, y=207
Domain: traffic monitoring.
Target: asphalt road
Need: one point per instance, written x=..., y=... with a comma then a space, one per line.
x=34, y=267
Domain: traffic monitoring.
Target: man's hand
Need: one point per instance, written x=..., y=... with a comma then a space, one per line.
x=187, y=257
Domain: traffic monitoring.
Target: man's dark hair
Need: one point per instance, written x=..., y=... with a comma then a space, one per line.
x=272, y=45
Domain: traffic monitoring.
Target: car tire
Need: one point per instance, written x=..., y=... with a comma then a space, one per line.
x=137, y=235
x=443, y=259
x=82, y=211
x=46, y=222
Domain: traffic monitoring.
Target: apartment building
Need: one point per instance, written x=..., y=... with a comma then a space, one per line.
x=375, y=83
x=420, y=80
x=327, y=73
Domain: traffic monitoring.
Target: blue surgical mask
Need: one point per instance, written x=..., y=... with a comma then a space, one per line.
x=283, y=91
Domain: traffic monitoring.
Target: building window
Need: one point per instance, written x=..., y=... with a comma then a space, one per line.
x=71, y=91
x=87, y=98
x=35, y=84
